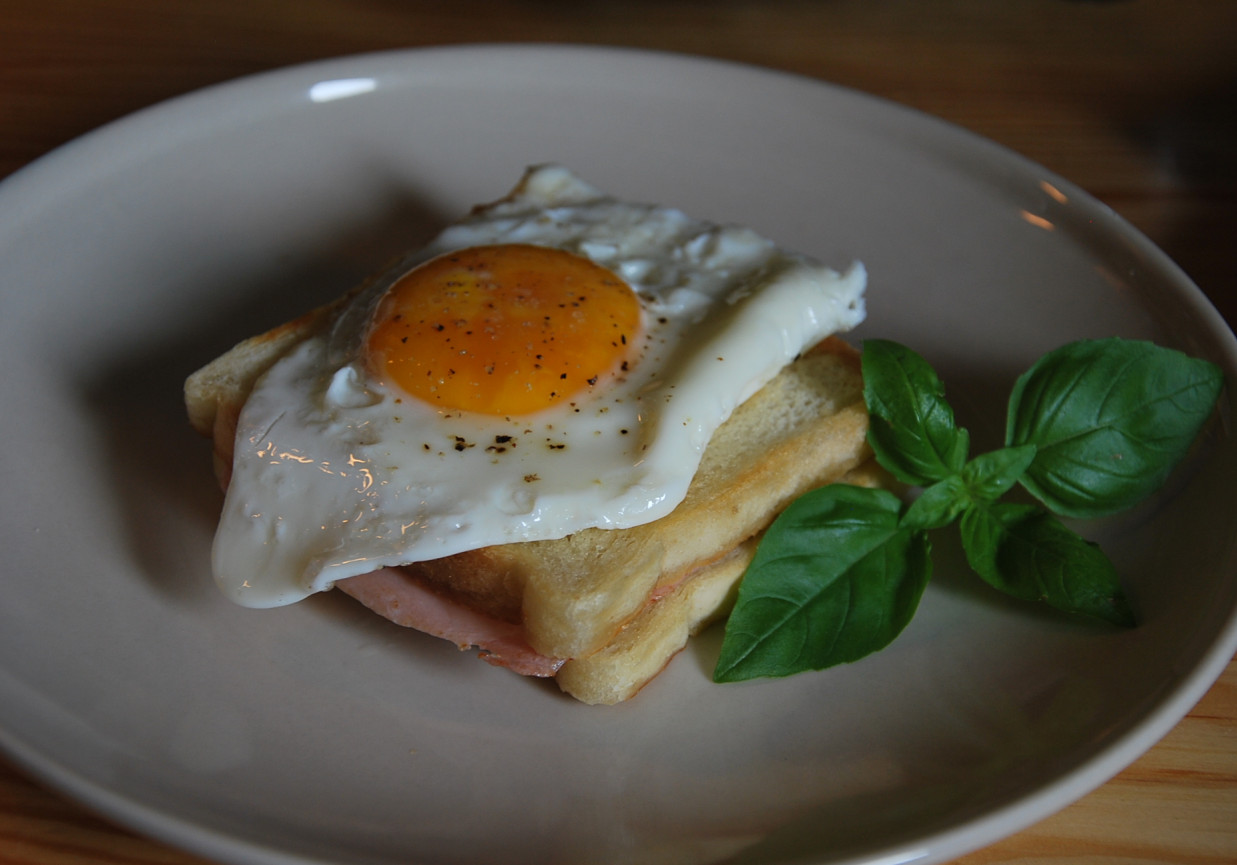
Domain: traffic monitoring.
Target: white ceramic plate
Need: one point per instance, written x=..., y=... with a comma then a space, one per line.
x=318, y=732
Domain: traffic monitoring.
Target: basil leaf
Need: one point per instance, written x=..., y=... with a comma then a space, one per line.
x=938, y=505
x=834, y=579
x=1110, y=419
x=1028, y=553
x=989, y=476
x=911, y=427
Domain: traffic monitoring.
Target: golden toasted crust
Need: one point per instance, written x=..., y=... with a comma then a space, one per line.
x=643, y=647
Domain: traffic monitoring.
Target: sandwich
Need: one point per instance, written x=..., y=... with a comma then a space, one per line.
x=554, y=433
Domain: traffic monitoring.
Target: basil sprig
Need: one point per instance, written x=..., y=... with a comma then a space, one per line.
x=1092, y=428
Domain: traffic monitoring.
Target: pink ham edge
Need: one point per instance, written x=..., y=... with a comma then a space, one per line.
x=399, y=597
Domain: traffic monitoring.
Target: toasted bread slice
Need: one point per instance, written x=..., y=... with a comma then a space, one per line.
x=643, y=647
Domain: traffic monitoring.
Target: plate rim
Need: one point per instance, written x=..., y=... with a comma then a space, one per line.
x=992, y=824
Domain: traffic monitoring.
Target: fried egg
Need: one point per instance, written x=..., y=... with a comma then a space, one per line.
x=554, y=362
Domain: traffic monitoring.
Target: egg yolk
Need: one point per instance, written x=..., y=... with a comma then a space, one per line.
x=503, y=330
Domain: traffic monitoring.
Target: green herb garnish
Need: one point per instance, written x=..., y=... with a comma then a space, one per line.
x=1092, y=429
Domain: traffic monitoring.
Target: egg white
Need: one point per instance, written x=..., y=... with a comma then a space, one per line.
x=336, y=473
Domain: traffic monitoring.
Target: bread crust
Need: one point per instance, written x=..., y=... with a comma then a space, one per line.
x=645, y=644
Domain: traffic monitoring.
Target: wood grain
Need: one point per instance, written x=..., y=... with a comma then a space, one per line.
x=1131, y=100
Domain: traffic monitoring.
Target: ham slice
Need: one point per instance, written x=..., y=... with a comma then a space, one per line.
x=396, y=595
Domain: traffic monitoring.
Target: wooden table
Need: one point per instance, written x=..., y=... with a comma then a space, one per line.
x=1132, y=100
